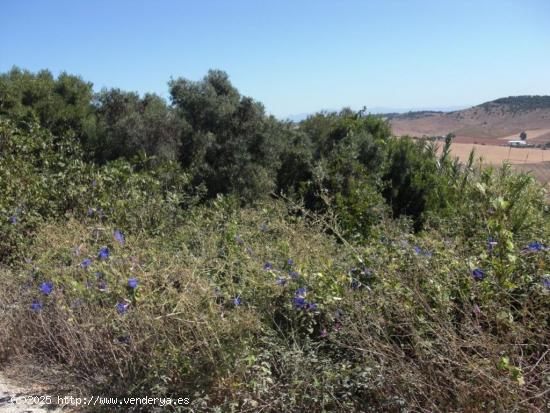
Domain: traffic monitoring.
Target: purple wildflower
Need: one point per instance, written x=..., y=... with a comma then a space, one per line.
x=122, y=307
x=268, y=266
x=133, y=283
x=299, y=302
x=237, y=300
x=13, y=219
x=86, y=263
x=324, y=333
x=546, y=282
x=417, y=249
x=337, y=326
x=301, y=292
x=290, y=262
x=119, y=236
x=311, y=306
x=535, y=246
x=46, y=288
x=37, y=306
x=491, y=243
x=478, y=274
x=294, y=275
x=103, y=253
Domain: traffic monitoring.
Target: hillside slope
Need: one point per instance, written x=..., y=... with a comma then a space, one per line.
x=500, y=118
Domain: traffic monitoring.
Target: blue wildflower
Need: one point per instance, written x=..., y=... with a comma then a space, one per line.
x=290, y=262
x=133, y=283
x=122, y=307
x=355, y=284
x=546, y=282
x=98, y=274
x=312, y=306
x=417, y=249
x=13, y=219
x=86, y=263
x=119, y=236
x=300, y=302
x=237, y=300
x=294, y=275
x=478, y=274
x=103, y=253
x=491, y=243
x=301, y=292
x=36, y=306
x=268, y=266
x=46, y=288
x=535, y=246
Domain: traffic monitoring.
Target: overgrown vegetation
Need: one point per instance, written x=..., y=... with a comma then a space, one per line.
x=203, y=249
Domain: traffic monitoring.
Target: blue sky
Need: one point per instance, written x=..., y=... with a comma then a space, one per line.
x=294, y=56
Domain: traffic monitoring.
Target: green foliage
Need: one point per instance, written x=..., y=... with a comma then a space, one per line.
x=145, y=259
x=62, y=105
x=231, y=146
x=519, y=103
x=414, y=184
x=44, y=177
x=128, y=125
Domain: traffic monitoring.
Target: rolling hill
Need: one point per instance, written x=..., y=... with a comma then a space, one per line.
x=503, y=118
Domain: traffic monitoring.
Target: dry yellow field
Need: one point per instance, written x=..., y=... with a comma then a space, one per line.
x=536, y=161
x=495, y=155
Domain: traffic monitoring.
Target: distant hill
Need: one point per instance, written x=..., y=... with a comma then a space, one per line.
x=386, y=111
x=501, y=118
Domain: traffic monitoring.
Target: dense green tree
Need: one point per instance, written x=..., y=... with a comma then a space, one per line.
x=62, y=104
x=413, y=184
x=128, y=125
x=231, y=145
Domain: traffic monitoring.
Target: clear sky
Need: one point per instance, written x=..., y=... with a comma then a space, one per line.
x=294, y=56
